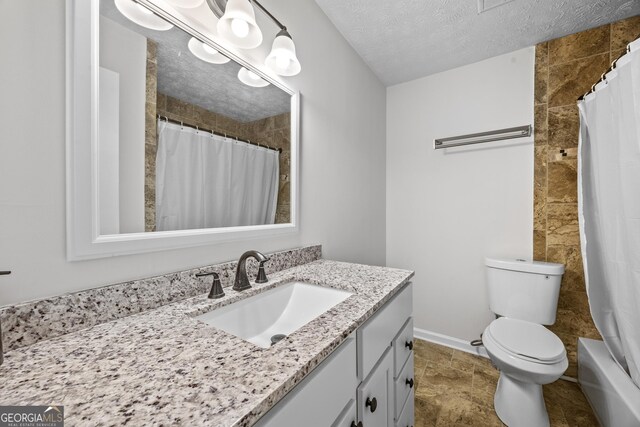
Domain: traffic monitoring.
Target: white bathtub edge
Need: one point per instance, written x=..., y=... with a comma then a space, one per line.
x=614, y=397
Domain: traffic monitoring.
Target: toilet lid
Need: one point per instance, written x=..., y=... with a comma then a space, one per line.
x=526, y=339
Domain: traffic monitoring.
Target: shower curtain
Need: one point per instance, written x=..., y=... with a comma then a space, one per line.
x=208, y=181
x=609, y=207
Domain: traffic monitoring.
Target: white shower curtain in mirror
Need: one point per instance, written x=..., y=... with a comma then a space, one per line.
x=208, y=181
x=609, y=208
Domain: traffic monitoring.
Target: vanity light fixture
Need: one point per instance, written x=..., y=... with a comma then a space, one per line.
x=142, y=16
x=250, y=78
x=205, y=52
x=282, y=59
x=186, y=4
x=238, y=25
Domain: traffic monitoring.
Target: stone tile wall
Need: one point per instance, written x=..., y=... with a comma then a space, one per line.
x=565, y=69
x=176, y=109
x=150, y=137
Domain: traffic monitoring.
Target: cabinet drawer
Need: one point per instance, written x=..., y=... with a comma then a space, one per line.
x=348, y=416
x=320, y=398
x=376, y=335
x=402, y=346
x=375, y=400
x=403, y=386
x=406, y=418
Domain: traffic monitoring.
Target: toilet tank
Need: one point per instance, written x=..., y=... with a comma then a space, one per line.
x=525, y=290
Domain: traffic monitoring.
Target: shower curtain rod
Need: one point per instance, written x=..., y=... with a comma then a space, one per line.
x=178, y=122
x=603, y=77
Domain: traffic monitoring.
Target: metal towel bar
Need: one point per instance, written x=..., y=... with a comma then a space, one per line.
x=478, y=138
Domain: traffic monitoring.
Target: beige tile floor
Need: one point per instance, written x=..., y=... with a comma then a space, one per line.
x=455, y=388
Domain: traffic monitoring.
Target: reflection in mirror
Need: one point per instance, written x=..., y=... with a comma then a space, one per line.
x=187, y=139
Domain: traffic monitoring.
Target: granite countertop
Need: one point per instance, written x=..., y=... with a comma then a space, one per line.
x=165, y=367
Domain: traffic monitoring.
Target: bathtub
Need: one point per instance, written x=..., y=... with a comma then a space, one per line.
x=615, y=399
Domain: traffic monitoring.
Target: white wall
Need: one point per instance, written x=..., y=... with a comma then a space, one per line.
x=342, y=157
x=448, y=209
x=125, y=52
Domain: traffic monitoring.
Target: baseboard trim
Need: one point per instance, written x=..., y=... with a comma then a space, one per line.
x=447, y=341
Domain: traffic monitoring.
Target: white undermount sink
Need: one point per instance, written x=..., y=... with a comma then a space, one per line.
x=278, y=311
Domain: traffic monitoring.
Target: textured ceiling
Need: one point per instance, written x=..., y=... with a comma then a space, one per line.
x=408, y=39
x=214, y=87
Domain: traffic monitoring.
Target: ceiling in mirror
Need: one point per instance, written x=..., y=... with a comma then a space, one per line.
x=185, y=76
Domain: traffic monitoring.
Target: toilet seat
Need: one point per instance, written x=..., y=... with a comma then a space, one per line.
x=526, y=340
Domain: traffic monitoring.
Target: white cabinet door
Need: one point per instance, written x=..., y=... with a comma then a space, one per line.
x=403, y=386
x=379, y=331
x=407, y=417
x=375, y=394
x=402, y=346
x=320, y=398
x=348, y=417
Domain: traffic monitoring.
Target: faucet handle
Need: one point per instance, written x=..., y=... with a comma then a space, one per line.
x=262, y=276
x=2, y=273
x=216, y=287
x=211, y=273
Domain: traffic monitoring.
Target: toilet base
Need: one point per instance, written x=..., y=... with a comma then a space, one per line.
x=520, y=404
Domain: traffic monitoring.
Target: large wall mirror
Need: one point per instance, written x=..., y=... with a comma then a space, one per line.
x=182, y=143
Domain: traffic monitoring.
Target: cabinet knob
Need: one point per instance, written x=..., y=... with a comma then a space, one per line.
x=409, y=344
x=353, y=424
x=372, y=403
x=409, y=382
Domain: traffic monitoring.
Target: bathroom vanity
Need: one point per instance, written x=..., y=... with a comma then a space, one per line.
x=137, y=353
x=367, y=380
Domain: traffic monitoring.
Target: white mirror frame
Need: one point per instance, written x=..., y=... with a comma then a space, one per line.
x=83, y=238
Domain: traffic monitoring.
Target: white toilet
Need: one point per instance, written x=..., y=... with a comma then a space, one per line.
x=525, y=295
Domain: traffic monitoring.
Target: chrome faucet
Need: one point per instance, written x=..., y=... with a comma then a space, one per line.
x=242, y=281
